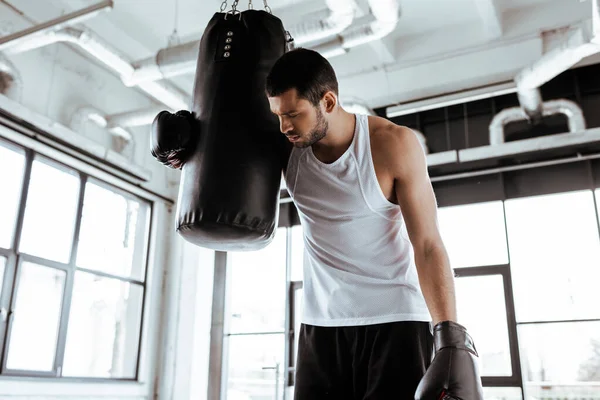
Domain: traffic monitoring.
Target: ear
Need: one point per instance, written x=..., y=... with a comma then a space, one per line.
x=329, y=101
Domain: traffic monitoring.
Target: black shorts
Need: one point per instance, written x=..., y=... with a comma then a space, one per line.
x=372, y=362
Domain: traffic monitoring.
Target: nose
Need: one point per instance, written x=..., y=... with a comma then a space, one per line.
x=285, y=125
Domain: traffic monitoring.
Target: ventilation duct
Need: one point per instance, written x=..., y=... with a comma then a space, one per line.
x=181, y=59
x=133, y=118
x=103, y=52
x=571, y=110
x=124, y=139
x=576, y=43
x=386, y=13
x=11, y=84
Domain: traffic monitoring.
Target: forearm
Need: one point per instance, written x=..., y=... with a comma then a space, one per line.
x=437, y=282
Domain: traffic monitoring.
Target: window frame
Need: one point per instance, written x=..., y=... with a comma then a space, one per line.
x=504, y=271
x=85, y=173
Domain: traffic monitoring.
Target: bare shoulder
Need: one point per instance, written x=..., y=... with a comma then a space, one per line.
x=393, y=143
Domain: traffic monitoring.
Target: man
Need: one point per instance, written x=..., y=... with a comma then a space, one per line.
x=376, y=273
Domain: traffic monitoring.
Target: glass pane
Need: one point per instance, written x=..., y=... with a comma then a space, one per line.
x=50, y=212
x=2, y=270
x=256, y=367
x=112, y=235
x=297, y=256
x=485, y=323
x=34, y=328
x=560, y=359
x=12, y=165
x=474, y=234
x=104, y=328
x=502, y=393
x=555, y=253
x=257, y=288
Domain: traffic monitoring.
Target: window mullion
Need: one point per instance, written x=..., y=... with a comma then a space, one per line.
x=23, y=199
x=69, y=283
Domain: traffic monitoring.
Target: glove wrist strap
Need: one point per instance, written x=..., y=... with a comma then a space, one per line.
x=452, y=334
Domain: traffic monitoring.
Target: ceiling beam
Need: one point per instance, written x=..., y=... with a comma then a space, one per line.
x=491, y=15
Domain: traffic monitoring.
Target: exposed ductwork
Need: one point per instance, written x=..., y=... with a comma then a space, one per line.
x=387, y=15
x=89, y=114
x=103, y=52
x=339, y=17
x=181, y=59
x=11, y=84
x=133, y=118
x=570, y=109
x=576, y=43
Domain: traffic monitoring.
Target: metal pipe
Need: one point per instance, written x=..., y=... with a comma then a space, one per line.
x=42, y=29
x=11, y=84
x=133, y=118
x=181, y=59
x=124, y=138
x=168, y=62
x=531, y=103
x=386, y=13
x=570, y=109
x=496, y=170
x=95, y=46
x=577, y=43
x=502, y=119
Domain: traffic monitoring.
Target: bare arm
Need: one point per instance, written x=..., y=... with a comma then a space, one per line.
x=417, y=201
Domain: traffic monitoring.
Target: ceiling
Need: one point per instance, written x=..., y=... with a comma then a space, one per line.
x=438, y=46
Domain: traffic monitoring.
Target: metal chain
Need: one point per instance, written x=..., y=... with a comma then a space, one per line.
x=267, y=8
x=224, y=6
x=250, y=5
x=234, y=6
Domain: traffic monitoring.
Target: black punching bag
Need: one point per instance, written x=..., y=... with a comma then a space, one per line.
x=230, y=148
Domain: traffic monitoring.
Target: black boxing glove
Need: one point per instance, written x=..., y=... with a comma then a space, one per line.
x=171, y=139
x=454, y=372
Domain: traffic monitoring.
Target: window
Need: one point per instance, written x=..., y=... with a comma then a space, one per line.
x=502, y=393
x=50, y=212
x=112, y=233
x=256, y=367
x=2, y=271
x=488, y=324
x=34, y=330
x=255, y=338
x=76, y=271
x=104, y=324
x=474, y=234
x=297, y=256
x=12, y=166
x=258, y=308
x=561, y=359
x=555, y=256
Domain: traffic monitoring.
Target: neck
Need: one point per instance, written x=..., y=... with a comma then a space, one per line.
x=339, y=134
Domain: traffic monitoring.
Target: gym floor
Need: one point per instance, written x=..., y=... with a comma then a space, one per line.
x=101, y=298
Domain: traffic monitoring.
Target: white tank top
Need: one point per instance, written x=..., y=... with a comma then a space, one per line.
x=359, y=264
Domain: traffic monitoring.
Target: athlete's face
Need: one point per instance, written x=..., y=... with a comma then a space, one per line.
x=299, y=120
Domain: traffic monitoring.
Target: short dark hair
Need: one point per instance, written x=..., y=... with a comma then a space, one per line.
x=304, y=70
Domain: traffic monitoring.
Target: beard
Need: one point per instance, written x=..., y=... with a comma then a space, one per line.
x=318, y=132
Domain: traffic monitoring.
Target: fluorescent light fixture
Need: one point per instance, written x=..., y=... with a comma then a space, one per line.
x=451, y=99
